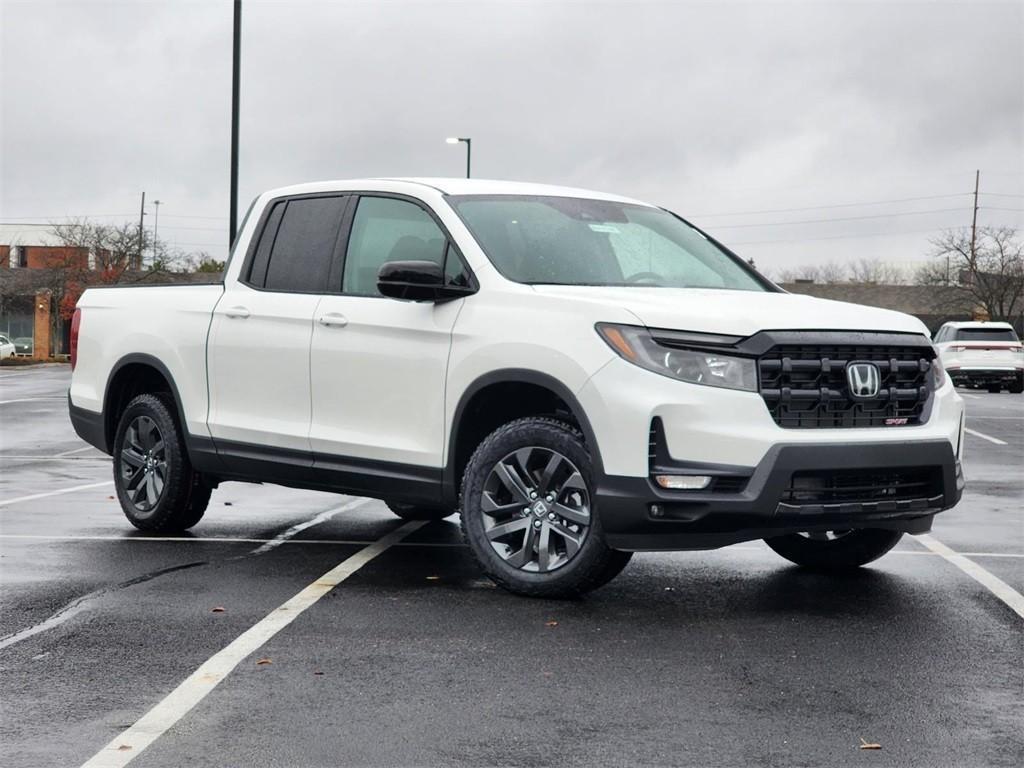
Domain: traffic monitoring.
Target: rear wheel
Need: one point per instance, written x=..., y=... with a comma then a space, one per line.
x=1018, y=386
x=528, y=515
x=155, y=482
x=835, y=550
x=419, y=511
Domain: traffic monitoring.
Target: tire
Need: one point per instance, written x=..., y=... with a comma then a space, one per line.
x=1017, y=387
x=851, y=549
x=156, y=485
x=419, y=511
x=527, y=544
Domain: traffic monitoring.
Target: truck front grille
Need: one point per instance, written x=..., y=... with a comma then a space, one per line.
x=805, y=386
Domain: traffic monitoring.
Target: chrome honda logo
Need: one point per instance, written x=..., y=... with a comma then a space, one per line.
x=864, y=379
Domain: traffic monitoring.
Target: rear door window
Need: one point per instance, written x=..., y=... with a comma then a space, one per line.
x=303, y=248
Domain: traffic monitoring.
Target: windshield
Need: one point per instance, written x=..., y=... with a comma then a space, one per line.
x=985, y=334
x=573, y=241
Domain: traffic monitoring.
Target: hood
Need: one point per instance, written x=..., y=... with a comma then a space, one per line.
x=738, y=313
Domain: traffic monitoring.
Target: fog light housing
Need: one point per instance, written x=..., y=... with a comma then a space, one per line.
x=683, y=482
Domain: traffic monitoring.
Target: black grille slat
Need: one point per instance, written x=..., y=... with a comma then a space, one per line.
x=805, y=386
x=863, y=485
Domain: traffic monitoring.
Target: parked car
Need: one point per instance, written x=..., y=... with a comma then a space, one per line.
x=6, y=347
x=24, y=345
x=988, y=355
x=580, y=375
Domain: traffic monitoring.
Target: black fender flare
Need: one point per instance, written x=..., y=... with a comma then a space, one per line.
x=515, y=376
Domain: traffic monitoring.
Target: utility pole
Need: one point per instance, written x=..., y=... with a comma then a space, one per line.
x=142, y=239
x=236, y=57
x=974, y=217
x=156, y=223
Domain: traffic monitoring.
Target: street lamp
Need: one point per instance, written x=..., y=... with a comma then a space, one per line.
x=469, y=148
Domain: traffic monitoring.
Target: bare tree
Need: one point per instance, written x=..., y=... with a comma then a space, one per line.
x=991, y=272
x=818, y=273
x=875, y=271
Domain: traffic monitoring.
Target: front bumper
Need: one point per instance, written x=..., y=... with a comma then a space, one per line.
x=637, y=515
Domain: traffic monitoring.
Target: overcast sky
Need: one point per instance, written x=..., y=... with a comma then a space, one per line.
x=719, y=111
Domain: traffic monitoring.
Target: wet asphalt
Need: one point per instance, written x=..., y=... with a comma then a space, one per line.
x=724, y=658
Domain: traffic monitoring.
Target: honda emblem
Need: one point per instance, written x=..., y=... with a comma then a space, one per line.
x=864, y=380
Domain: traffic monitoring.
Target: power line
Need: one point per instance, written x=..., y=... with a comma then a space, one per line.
x=845, y=218
x=834, y=205
x=1000, y=194
x=838, y=237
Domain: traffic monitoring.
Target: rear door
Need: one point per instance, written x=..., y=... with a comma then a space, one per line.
x=378, y=365
x=258, y=355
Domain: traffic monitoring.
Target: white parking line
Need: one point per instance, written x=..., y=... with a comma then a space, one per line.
x=972, y=397
x=72, y=489
x=75, y=450
x=124, y=747
x=28, y=400
x=992, y=583
x=983, y=436
x=283, y=538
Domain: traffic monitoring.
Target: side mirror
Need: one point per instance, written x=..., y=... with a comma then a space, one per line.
x=417, y=281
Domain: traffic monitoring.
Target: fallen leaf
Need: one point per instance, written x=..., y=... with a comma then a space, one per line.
x=228, y=504
x=318, y=673
x=867, y=745
x=551, y=623
x=262, y=662
x=124, y=747
x=217, y=609
x=112, y=498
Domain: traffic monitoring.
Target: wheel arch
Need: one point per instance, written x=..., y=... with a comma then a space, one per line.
x=535, y=394
x=135, y=374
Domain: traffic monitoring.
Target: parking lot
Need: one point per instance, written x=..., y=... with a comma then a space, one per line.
x=730, y=657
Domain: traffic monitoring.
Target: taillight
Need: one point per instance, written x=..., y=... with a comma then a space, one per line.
x=76, y=322
x=959, y=349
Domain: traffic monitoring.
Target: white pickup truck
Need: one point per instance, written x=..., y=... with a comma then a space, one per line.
x=579, y=375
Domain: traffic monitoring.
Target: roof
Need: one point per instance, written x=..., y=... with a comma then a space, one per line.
x=450, y=186
x=978, y=324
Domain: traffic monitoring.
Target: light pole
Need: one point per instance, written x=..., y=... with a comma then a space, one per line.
x=469, y=148
x=156, y=223
x=236, y=74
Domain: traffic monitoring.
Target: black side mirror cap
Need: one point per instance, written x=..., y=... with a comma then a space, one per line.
x=418, y=281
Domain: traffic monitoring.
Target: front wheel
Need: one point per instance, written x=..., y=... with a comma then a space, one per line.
x=835, y=550
x=528, y=512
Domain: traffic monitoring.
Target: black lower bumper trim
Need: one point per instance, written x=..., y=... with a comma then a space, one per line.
x=89, y=426
x=637, y=515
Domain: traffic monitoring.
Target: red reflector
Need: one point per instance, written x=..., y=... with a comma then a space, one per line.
x=76, y=322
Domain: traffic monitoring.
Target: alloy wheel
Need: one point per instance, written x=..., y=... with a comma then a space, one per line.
x=536, y=509
x=143, y=463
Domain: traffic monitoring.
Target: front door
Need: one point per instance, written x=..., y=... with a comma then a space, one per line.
x=378, y=365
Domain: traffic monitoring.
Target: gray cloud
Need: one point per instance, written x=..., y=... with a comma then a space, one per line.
x=707, y=109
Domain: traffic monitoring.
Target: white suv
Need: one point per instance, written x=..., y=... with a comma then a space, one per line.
x=985, y=354
x=580, y=375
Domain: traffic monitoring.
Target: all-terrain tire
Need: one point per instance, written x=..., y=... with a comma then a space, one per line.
x=591, y=566
x=851, y=550
x=180, y=496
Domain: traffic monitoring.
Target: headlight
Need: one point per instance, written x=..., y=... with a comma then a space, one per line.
x=694, y=366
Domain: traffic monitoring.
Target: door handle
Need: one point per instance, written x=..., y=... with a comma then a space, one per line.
x=333, y=320
x=240, y=312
